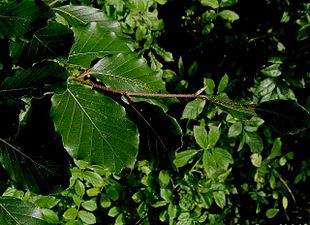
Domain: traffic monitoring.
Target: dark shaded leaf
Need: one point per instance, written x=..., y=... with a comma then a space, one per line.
x=285, y=116
x=35, y=162
x=160, y=134
x=22, y=168
x=52, y=41
x=18, y=17
x=94, y=128
x=28, y=82
x=15, y=211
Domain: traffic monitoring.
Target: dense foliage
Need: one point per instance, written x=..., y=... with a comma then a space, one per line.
x=85, y=140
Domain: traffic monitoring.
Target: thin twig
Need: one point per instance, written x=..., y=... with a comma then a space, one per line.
x=161, y=95
x=288, y=189
x=53, y=3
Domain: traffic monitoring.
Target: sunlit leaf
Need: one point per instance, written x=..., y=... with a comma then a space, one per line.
x=235, y=129
x=229, y=15
x=213, y=135
x=254, y=141
x=222, y=157
x=220, y=198
x=211, y=3
x=201, y=136
x=184, y=157
x=193, y=109
x=209, y=163
x=94, y=128
x=272, y=212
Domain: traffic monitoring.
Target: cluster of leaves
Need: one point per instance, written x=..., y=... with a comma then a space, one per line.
x=230, y=155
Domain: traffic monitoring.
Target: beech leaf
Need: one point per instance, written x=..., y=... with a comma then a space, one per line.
x=285, y=116
x=15, y=211
x=94, y=128
x=18, y=17
x=130, y=74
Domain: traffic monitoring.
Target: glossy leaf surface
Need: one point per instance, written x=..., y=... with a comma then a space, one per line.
x=130, y=74
x=15, y=211
x=94, y=128
x=96, y=35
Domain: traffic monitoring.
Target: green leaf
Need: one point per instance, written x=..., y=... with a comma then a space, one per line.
x=112, y=193
x=70, y=214
x=237, y=111
x=256, y=159
x=94, y=41
x=222, y=157
x=235, y=129
x=79, y=188
x=223, y=83
x=272, y=70
x=285, y=116
x=23, y=168
x=211, y=3
x=87, y=217
x=30, y=81
x=272, y=212
x=209, y=163
x=265, y=87
x=284, y=202
x=210, y=85
x=193, y=109
x=183, y=158
x=90, y=205
x=201, y=136
x=303, y=33
x=276, y=149
x=17, y=18
x=164, y=178
x=131, y=74
x=47, y=202
x=220, y=198
x=94, y=128
x=193, y=69
x=52, y=41
x=254, y=141
x=15, y=211
x=213, y=136
x=226, y=3
x=166, y=194
x=100, y=36
x=229, y=15
x=114, y=211
x=84, y=15
x=50, y=216
x=93, y=178
x=172, y=211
